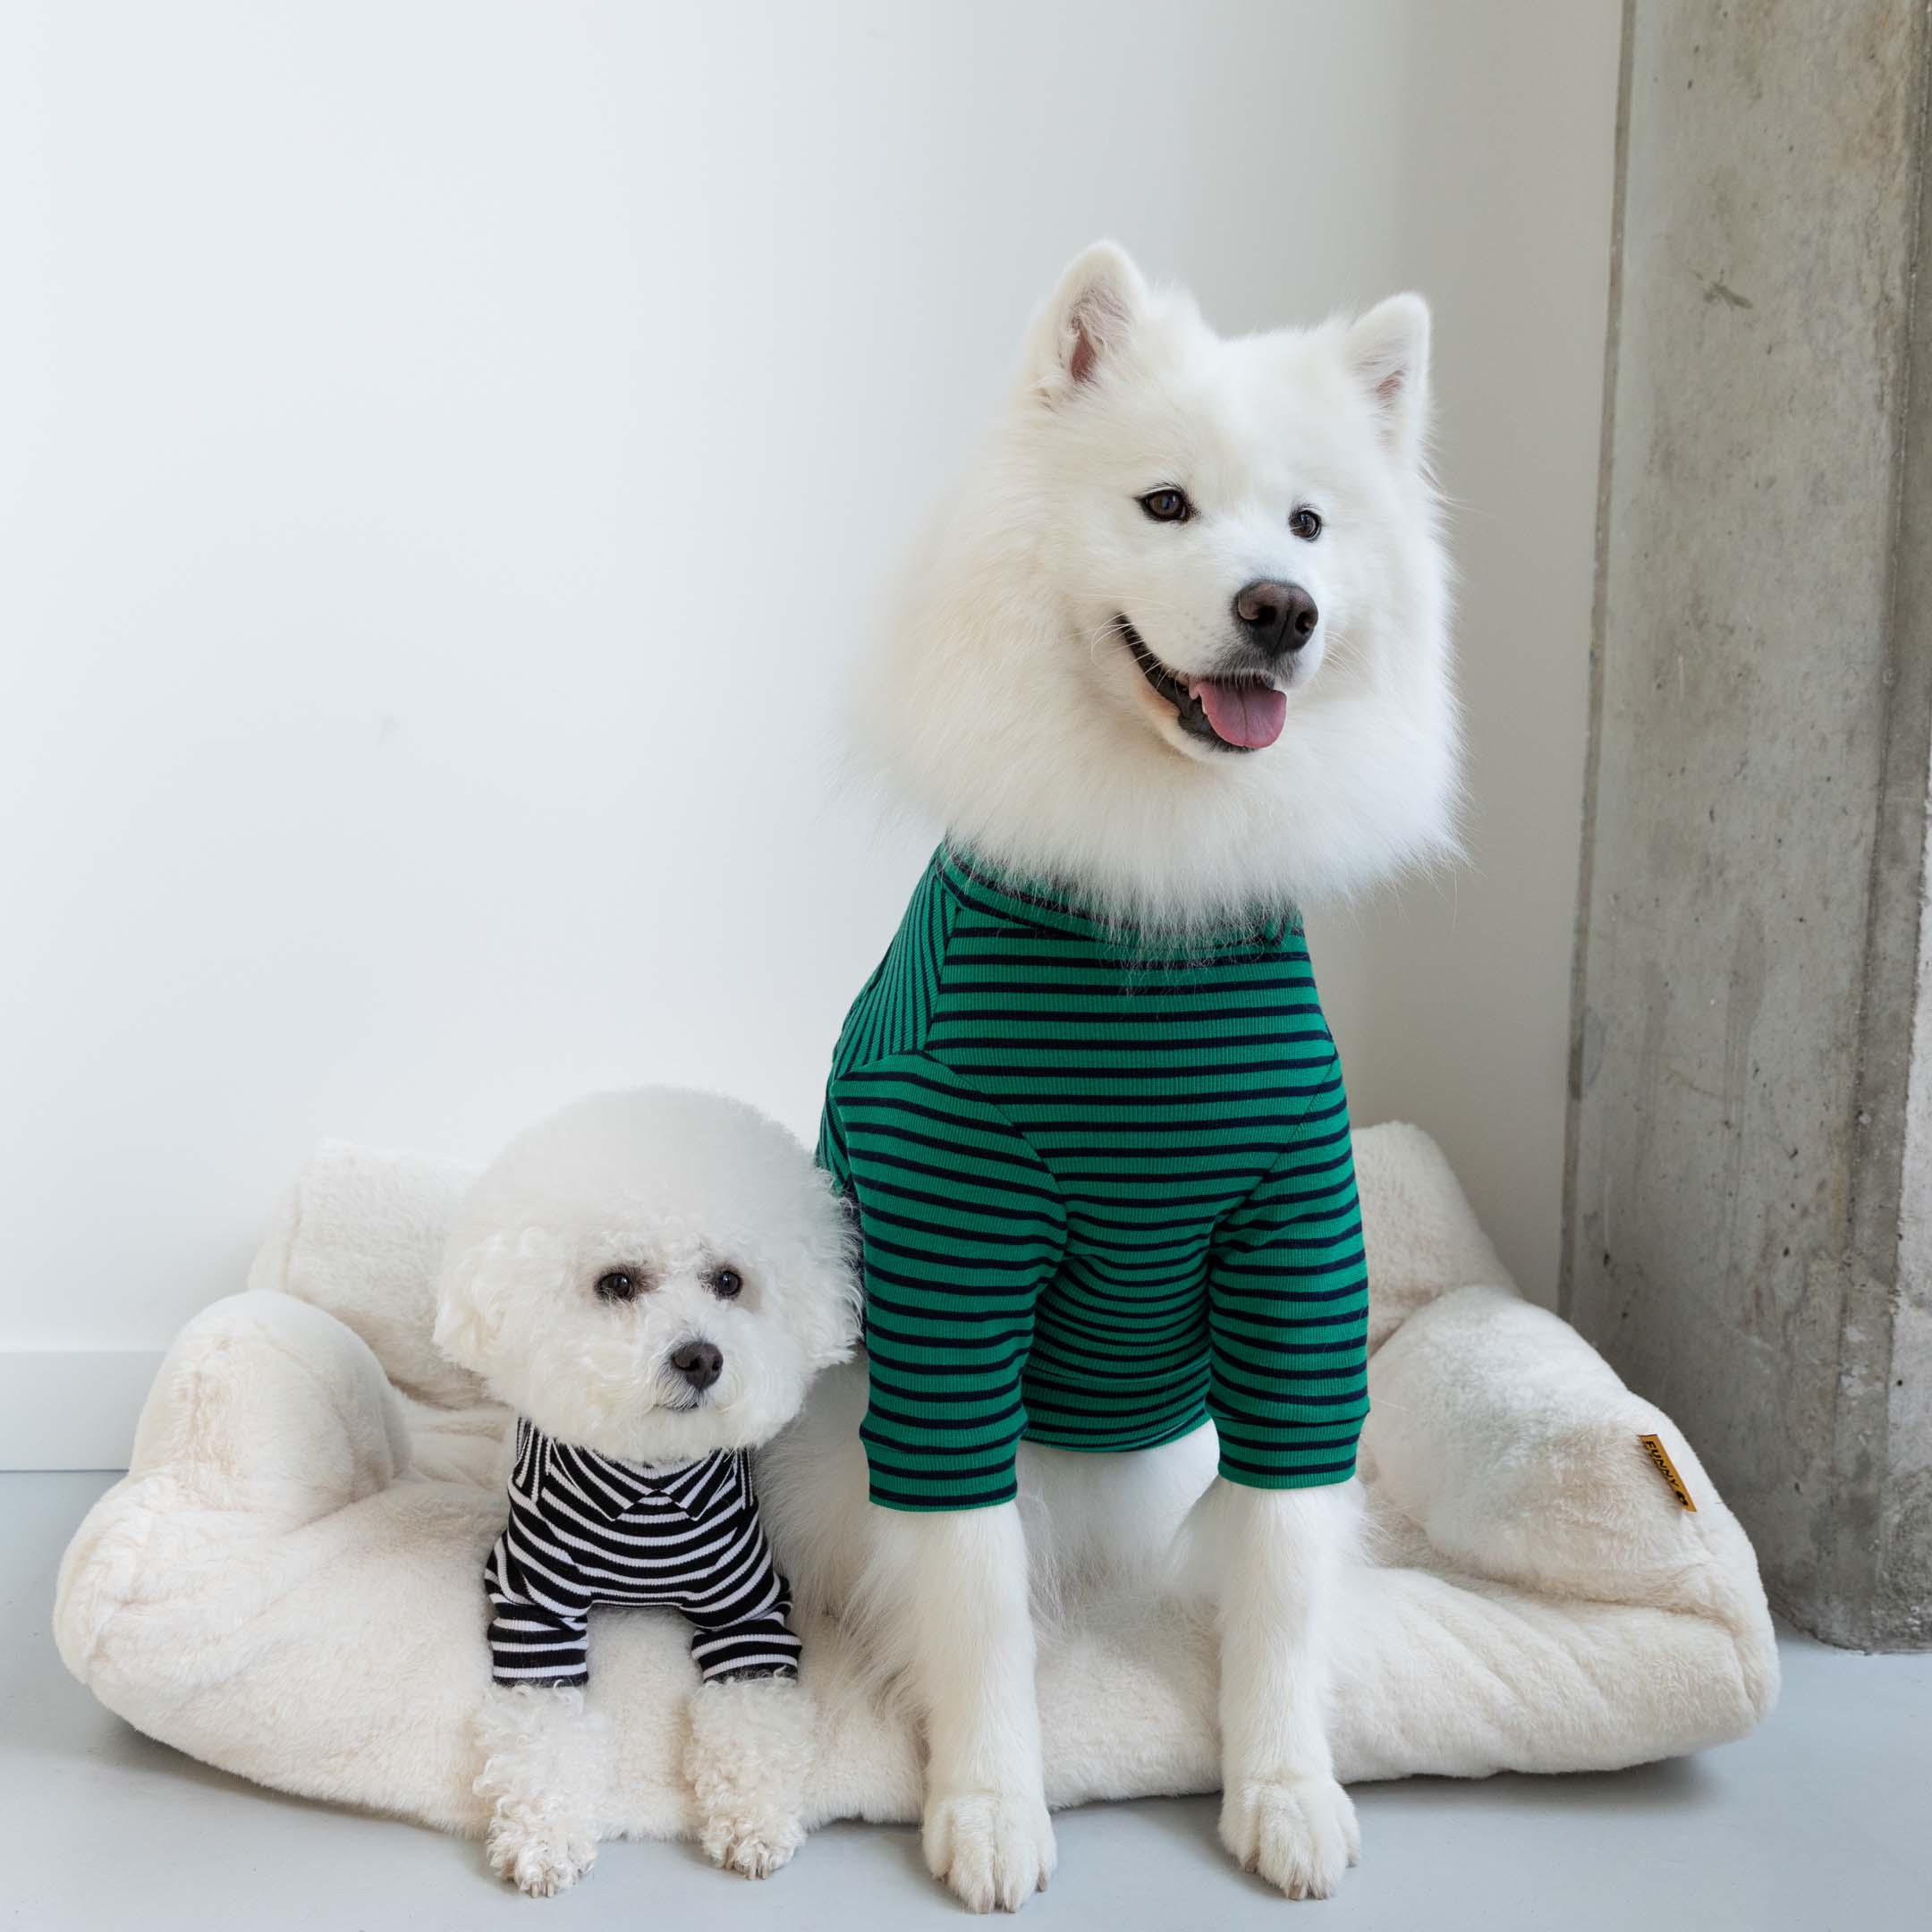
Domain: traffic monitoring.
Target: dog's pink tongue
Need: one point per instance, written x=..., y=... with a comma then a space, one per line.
x=1243, y=714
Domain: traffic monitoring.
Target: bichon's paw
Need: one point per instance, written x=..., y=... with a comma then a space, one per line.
x=1299, y=1833
x=537, y=1862
x=542, y=1765
x=750, y=1749
x=992, y=1847
x=756, y=1847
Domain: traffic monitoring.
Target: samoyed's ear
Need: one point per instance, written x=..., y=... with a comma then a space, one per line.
x=1387, y=350
x=1100, y=298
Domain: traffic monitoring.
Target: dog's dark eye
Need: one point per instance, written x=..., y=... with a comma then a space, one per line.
x=1167, y=505
x=1306, y=524
x=619, y=1285
x=726, y=1283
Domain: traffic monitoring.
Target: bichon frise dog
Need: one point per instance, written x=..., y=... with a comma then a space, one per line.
x=650, y=1281
x=1171, y=663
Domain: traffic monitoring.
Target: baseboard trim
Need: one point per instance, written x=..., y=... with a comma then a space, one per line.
x=71, y=1408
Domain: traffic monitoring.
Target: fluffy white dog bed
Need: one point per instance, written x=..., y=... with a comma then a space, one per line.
x=286, y=1582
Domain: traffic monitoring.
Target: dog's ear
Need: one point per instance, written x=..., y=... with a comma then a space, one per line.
x=464, y=1330
x=1086, y=319
x=1387, y=351
x=824, y=1293
x=482, y=1279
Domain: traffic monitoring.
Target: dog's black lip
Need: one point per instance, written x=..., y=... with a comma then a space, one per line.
x=1189, y=711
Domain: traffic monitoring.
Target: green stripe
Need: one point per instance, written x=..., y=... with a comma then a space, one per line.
x=1107, y=1192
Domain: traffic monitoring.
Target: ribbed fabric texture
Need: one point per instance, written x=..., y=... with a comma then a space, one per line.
x=1107, y=1190
x=588, y=1531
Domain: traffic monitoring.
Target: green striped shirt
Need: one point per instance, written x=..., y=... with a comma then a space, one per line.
x=1105, y=1191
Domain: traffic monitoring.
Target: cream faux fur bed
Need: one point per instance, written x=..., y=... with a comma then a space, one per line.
x=286, y=1582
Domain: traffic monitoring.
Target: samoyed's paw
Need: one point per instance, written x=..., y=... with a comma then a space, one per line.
x=538, y=1860
x=750, y=1749
x=1299, y=1833
x=992, y=1847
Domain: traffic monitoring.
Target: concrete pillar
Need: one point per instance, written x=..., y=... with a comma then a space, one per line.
x=1749, y=1190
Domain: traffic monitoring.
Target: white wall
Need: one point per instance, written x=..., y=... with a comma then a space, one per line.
x=447, y=452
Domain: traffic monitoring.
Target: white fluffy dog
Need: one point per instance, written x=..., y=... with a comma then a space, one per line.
x=1176, y=648
x=652, y=1279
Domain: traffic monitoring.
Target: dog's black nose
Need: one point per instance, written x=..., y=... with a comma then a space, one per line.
x=700, y=1363
x=1276, y=616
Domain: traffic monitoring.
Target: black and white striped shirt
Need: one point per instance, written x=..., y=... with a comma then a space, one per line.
x=587, y=1530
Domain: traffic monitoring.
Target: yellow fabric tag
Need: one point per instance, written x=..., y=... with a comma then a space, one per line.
x=1654, y=1448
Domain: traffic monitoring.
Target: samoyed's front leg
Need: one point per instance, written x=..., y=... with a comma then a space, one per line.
x=952, y=1590
x=751, y=1752
x=544, y=1775
x=1272, y=1558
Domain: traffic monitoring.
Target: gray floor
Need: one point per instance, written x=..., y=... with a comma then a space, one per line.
x=1821, y=1821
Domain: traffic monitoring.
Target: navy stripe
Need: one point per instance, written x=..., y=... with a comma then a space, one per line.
x=587, y=1531
x=1105, y=1191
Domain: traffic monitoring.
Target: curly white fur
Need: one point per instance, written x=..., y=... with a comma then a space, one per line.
x=669, y=1186
x=543, y=1775
x=752, y=1751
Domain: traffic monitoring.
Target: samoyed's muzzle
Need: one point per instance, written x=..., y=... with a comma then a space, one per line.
x=1243, y=706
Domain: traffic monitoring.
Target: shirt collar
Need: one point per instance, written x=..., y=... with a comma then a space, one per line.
x=1055, y=909
x=611, y=1486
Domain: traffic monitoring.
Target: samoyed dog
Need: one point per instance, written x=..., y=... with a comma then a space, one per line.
x=1174, y=655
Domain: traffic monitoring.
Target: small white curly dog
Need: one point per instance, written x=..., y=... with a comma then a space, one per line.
x=654, y=1278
